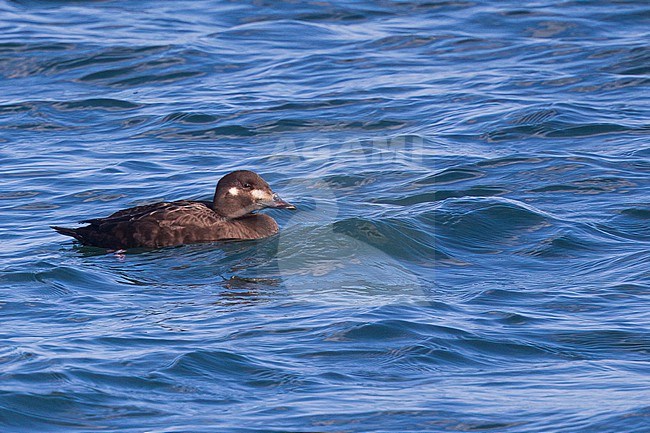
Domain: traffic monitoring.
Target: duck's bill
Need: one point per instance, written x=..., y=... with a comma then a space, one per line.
x=278, y=203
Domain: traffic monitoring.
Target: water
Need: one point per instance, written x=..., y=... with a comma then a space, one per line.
x=472, y=242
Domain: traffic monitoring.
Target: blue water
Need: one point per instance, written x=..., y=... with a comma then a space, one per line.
x=471, y=250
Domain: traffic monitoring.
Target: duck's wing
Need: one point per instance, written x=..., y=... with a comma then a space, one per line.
x=133, y=212
x=177, y=214
x=151, y=226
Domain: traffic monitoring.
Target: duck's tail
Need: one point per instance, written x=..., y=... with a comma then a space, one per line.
x=69, y=232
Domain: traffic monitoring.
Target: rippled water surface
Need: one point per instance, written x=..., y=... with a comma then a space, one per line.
x=471, y=250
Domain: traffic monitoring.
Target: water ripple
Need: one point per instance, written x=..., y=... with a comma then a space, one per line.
x=471, y=242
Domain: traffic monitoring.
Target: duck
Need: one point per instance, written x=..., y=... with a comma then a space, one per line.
x=231, y=215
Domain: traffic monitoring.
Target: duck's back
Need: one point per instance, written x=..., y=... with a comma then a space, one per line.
x=152, y=226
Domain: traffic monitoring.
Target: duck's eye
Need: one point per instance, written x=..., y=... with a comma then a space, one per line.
x=247, y=185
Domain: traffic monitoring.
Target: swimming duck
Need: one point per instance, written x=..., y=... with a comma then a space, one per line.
x=229, y=216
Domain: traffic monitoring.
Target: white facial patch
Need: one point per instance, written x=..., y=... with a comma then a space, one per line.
x=233, y=191
x=258, y=194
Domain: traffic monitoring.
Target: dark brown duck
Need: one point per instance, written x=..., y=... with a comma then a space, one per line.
x=230, y=216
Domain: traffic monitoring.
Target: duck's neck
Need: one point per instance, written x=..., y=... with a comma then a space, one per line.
x=219, y=210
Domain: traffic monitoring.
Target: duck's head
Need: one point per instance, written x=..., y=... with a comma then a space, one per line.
x=242, y=192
